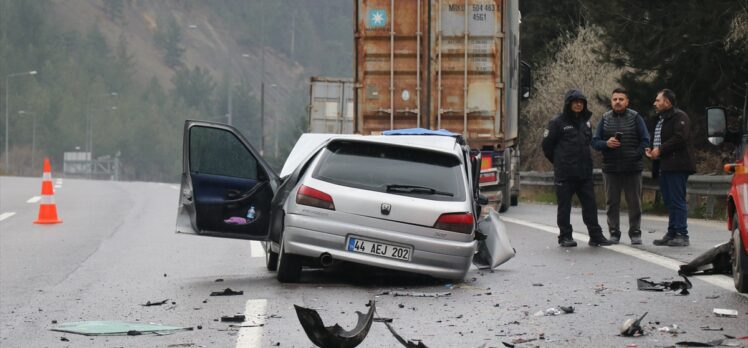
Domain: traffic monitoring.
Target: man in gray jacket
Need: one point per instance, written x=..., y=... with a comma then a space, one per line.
x=622, y=136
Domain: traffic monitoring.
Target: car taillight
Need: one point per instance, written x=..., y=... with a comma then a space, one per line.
x=488, y=177
x=315, y=198
x=455, y=222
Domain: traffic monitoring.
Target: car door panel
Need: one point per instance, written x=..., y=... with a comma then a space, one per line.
x=223, y=178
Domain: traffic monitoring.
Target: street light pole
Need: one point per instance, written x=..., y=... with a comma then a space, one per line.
x=33, y=136
x=7, y=96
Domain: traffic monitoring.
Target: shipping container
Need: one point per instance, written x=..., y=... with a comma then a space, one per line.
x=331, y=105
x=438, y=64
x=443, y=64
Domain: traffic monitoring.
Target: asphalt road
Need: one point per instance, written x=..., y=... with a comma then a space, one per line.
x=116, y=250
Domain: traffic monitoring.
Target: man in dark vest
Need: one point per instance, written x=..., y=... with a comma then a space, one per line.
x=671, y=157
x=622, y=136
x=566, y=143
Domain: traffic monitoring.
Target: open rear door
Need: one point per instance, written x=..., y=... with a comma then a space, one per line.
x=495, y=249
x=226, y=186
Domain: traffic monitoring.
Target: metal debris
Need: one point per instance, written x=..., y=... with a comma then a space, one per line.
x=226, y=292
x=334, y=336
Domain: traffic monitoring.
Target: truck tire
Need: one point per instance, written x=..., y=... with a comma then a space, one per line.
x=289, y=266
x=506, y=190
x=739, y=259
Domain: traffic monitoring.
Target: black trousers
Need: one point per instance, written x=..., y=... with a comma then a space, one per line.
x=585, y=191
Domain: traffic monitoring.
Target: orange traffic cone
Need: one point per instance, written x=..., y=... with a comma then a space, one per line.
x=47, y=207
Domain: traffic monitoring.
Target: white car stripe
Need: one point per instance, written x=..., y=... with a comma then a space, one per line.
x=250, y=334
x=723, y=282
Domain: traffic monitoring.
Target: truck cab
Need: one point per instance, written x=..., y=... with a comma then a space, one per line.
x=737, y=198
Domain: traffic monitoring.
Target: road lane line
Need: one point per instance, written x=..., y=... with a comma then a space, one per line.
x=723, y=282
x=251, y=337
x=256, y=249
x=34, y=199
x=174, y=187
x=4, y=216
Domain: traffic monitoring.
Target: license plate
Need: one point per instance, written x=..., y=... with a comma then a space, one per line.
x=365, y=246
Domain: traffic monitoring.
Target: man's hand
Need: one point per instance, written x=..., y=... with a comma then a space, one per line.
x=613, y=143
x=652, y=153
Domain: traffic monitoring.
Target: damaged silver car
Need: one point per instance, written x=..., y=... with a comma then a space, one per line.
x=401, y=202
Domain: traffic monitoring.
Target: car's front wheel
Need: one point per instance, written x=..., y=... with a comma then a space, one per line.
x=739, y=260
x=271, y=257
x=289, y=266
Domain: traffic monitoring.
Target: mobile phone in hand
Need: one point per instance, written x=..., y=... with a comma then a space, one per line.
x=618, y=136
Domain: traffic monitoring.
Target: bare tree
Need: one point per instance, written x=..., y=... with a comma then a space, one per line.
x=576, y=65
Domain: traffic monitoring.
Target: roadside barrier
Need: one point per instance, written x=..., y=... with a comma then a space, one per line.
x=47, y=207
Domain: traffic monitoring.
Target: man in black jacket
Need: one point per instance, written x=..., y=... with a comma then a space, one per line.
x=670, y=154
x=622, y=136
x=566, y=143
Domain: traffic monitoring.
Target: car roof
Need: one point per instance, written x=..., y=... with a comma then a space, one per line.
x=310, y=142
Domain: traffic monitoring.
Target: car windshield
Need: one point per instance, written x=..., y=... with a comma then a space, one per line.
x=392, y=169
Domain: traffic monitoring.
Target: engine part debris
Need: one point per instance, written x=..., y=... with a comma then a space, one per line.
x=335, y=336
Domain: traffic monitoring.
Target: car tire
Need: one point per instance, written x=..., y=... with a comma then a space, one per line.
x=289, y=266
x=515, y=201
x=739, y=259
x=271, y=257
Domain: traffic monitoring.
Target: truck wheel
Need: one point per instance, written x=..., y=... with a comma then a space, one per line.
x=289, y=266
x=739, y=259
x=515, y=201
x=271, y=257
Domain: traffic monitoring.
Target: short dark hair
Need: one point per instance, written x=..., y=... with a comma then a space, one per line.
x=669, y=94
x=621, y=90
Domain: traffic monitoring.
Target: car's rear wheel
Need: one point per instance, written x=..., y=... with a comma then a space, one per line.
x=271, y=257
x=739, y=259
x=289, y=266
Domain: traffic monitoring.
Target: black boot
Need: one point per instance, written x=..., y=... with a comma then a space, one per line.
x=636, y=237
x=599, y=240
x=566, y=241
x=615, y=237
x=664, y=240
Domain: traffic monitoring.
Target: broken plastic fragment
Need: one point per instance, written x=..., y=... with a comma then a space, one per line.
x=334, y=336
x=408, y=344
x=714, y=261
x=722, y=312
x=233, y=319
x=647, y=285
x=149, y=303
x=101, y=328
x=226, y=292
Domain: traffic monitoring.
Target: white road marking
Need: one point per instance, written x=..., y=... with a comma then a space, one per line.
x=256, y=249
x=4, y=216
x=250, y=335
x=721, y=281
x=34, y=199
x=174, y=187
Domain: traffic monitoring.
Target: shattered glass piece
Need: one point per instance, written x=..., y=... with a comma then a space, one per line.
x=105, y=327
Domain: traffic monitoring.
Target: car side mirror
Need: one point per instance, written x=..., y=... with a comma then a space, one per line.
x=716, y=125
x=482, y=200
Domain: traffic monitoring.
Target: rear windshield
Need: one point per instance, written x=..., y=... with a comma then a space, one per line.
x=392, y=169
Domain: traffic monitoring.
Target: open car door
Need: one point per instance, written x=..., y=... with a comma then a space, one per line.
x=226, y=185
